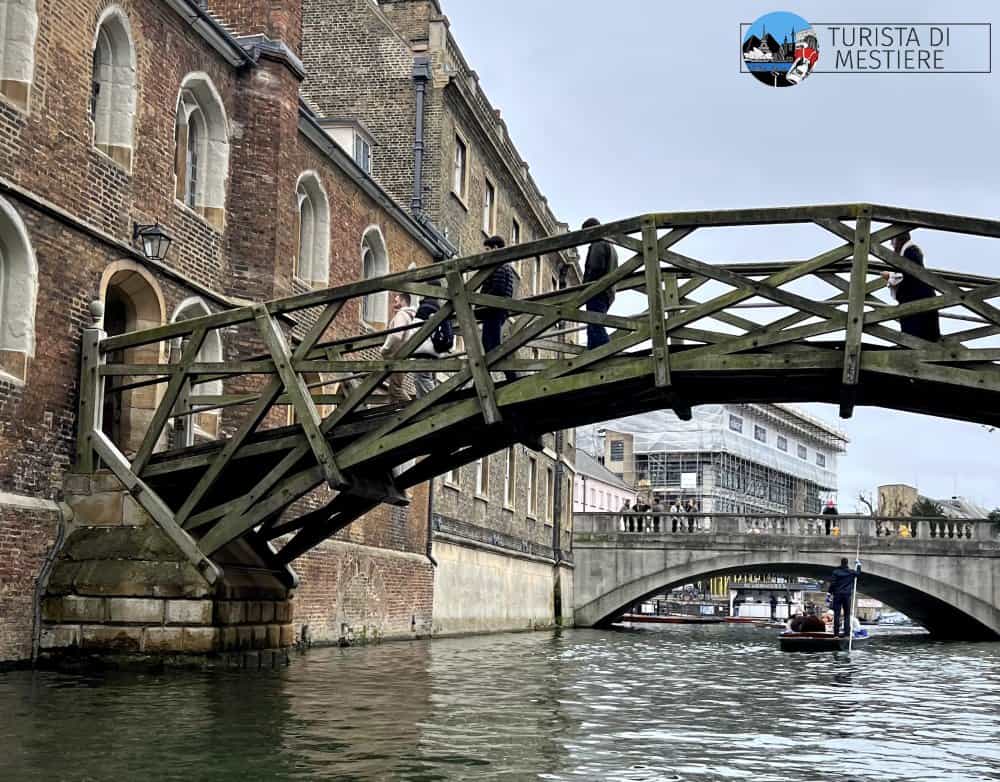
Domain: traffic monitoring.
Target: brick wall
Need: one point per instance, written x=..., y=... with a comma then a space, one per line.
x=26, y=537
x=48, y=151
x=359, y=56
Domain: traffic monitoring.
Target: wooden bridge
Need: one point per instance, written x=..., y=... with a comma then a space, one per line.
x=812, y=330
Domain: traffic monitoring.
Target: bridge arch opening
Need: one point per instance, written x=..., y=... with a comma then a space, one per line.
x=132, y=301
x=945, y=611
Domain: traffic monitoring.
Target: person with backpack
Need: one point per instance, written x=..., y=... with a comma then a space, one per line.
x=438, y=344
x=500, y=283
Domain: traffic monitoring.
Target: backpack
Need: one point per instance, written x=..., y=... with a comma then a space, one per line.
x=443, y=338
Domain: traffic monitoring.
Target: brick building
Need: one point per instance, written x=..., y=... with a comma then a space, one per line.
x=138, y=111
x=437, y=144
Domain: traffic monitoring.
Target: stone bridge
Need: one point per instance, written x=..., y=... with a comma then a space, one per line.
x=943, y=574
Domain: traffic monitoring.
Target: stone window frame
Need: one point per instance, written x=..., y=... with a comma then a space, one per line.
x=481, y=486
x=782, y=443
x=760, y=433
x=114, y=91
x=515, y=232
x=462, y=194
x=18, y=295
x=802, y=452
x=17, y=51
x=489, y=221
x=820, y=459
x=199, y=102
x=735, y=423
x=532, y=488
x=451, y=479
x=374, y=306
x=312, y=236
x=206, y=424
x=510, y=480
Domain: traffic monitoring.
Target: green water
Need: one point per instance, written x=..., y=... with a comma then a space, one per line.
x=669, y=703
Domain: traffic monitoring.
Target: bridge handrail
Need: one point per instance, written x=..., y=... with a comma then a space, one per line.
x=790, y=524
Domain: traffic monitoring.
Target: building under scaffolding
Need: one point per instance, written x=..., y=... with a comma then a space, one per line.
x=754, y=458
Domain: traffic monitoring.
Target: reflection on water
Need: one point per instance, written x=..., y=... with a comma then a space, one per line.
x=667, y=703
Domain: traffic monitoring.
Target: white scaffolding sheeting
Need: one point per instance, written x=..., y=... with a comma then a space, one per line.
x=709, y=432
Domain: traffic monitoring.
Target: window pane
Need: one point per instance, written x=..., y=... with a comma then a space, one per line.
x=736, y=423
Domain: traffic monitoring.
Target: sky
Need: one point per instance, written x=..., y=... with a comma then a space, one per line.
x=639, y=106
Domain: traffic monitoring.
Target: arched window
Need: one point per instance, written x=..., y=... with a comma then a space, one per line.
x=313, y=253
x=18, y=290
x=113, y=90
x=201, y=425
x=18, y=29
x=201, y=164
x=374, y=263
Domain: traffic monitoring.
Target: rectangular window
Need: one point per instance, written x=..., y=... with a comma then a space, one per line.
x=820, y=459
x=803, y=453
x=509, y=481
x=759, y=434
x=782, y=444
x=550, y=496
x=460, y=168
x=451, y=476
x=515, y=232
x=533, y=485
x=489, y=208
x=483, y=477
x=617, y=450
x=593, y=499
x=536, y=279
x=362, y=153
x=736, y=423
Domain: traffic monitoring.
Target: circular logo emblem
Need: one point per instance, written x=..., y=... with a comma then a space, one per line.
x=780, y=49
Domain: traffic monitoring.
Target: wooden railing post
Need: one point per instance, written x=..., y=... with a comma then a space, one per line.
x=91, y=402
x=856, y=313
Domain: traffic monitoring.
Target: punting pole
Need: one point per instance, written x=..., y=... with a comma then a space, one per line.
x=854, y=599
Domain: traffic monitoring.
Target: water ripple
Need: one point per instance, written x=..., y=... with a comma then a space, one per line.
x=680, y=704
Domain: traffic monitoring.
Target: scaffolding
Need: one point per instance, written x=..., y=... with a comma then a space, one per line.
x=752, y=458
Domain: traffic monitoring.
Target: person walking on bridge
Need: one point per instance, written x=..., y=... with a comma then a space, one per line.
x=403, y=315
x=841, y=588
x=602, y=259
x=500, y=283
x=906, y=288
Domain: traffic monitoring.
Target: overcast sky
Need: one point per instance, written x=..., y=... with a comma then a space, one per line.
x=639, y=106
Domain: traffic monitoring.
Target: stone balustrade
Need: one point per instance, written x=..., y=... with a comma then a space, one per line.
x=794, y=525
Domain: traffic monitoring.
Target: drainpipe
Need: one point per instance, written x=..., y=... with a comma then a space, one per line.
x=430, y=523
x=421, y=75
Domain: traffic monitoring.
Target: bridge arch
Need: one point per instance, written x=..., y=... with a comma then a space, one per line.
x=927, y=592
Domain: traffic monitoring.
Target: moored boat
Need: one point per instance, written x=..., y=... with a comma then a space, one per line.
x=674, y=619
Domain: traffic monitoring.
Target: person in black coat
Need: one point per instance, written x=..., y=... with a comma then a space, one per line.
x=842, y=587
x=602, y=259
x=906, y=288
x=499, y=283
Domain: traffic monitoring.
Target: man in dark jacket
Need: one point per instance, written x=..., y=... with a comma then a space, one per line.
x=499, y=283
x=906, y=288
x=602, y=259
x=842, y=587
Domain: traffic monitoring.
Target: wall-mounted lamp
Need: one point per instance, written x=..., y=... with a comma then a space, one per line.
x=155, y=241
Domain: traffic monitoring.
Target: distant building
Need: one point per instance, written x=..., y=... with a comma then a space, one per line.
x=727, y=459
x=898, y=499
x=597, y=489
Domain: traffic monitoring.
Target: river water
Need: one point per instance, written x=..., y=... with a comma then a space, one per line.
x=666, y=703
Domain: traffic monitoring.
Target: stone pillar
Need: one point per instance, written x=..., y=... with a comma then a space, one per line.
x=121, y=589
